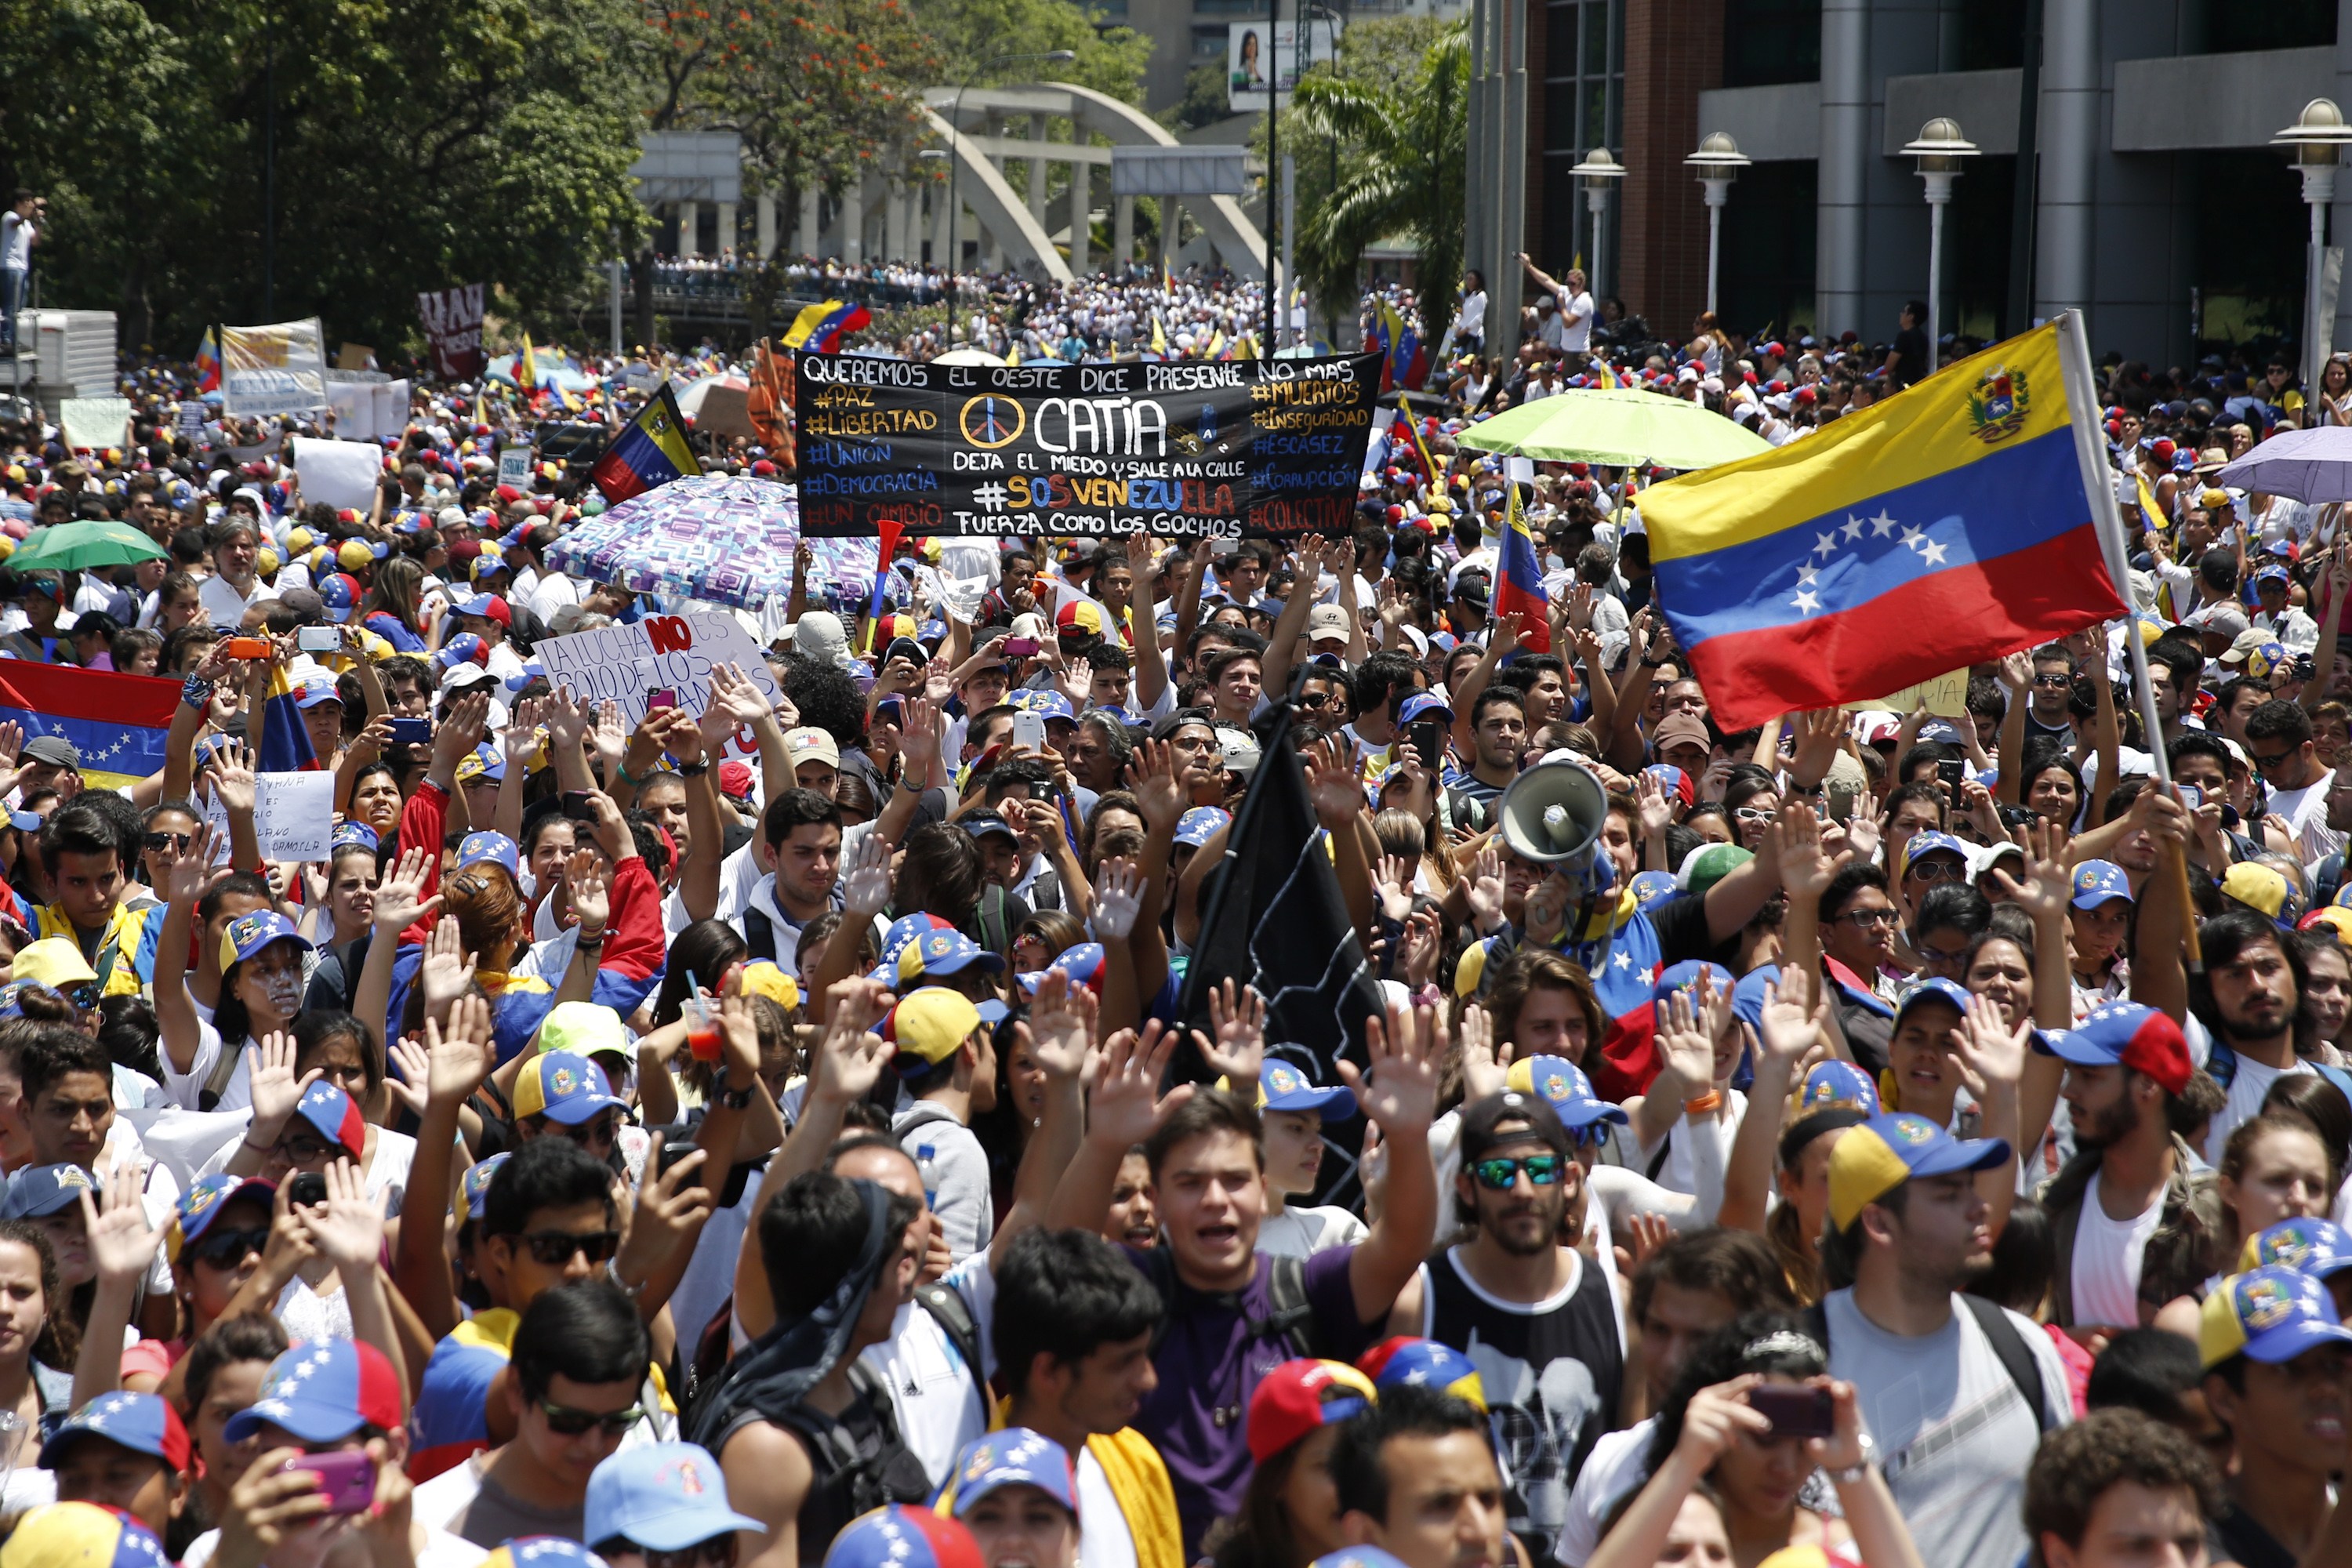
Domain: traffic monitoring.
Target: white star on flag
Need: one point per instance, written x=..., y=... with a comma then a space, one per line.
x=1883, y=523
x=1807, y=602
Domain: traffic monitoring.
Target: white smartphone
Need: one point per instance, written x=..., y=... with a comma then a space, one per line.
x=1029, y=730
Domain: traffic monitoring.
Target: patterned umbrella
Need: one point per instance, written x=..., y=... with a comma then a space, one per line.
x=720, y=539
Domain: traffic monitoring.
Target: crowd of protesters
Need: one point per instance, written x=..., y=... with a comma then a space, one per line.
x=748, y=1136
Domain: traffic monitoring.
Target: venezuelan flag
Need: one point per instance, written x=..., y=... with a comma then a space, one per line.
x=208, y=363
x=1158, y=335
x=283, y=745
x=1945, y=526
x=118, y=722
x=818, y=326
x=1602, y=376
x=1519, y=586
x=527, y=367
x=650, y=451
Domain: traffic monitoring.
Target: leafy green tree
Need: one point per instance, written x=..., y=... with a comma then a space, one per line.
x=1381, y=143
x=970, y=33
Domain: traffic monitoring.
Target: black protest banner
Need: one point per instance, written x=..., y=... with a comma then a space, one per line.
x=453, y=326
x=1219, y=450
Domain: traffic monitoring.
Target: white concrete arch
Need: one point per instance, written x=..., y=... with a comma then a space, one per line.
x=999, y=208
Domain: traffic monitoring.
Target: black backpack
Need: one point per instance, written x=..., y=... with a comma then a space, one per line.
x=2016, y=1356
x=1291, y=1322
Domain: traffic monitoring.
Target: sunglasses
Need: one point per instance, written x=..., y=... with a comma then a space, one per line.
x=718, y=1552
x=566, y=1422
x=554, y=1248
x=2055, y=682
x=227, y=1248
x=1938, y=871
x=2266, y=763
x=158, y=842
x=83, y=995
x=1502, y=1175
x=1756, y=813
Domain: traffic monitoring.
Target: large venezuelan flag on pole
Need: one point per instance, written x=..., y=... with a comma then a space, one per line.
x=118, y=722
x=650, y=451
x=819, y=327
x=1952, y=523
x=1519, y=586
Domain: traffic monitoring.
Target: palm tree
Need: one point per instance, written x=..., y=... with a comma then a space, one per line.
x=1405, y=166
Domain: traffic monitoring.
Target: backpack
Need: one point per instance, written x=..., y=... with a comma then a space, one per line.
x=852, y=1474
x=1291, y=1322
x=2015, y=1355
x=948, y=1310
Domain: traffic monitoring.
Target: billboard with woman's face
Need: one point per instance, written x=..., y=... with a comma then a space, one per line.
x=1259, y=54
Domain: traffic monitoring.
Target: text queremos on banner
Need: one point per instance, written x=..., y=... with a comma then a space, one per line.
x=1218, y=449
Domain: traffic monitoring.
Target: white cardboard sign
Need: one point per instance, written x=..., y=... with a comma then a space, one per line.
x=673, y=653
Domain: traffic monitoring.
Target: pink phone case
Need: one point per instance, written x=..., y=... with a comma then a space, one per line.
x=348, y=1480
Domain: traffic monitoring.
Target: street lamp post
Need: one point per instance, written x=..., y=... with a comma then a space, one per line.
x=955, y=126
x=1599, y=172
x=1940, y=148
x=2316, y=138
x=1718, y=161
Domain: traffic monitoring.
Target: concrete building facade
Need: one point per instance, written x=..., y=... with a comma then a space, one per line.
x=2157, y=203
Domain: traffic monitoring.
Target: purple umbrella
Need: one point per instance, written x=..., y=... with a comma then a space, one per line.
x=2310, y=466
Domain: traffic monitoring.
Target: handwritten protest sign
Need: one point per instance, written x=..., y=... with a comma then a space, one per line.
x=661, y=653
x=340, y=473
x=292, y=814
x=94, y=424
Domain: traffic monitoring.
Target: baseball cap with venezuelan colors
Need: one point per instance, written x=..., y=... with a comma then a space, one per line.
x=2314, y=1246
x=1405, y=1362
x=1014, y=1457
x=1298, y=1396
x=2272, y=1314
x=81, y=1535
x=898, y=1536
x=563, y=1088
x=1884, y=1152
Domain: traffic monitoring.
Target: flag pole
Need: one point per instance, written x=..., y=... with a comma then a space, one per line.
x=2108, y=522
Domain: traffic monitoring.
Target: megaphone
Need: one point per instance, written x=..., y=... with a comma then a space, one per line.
x=1553, y=812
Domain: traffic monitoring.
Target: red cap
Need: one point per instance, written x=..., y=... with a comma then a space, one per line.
x=1298, y=1396
x=735, y=780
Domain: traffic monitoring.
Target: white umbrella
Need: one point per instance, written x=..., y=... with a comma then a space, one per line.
x=2313, y=467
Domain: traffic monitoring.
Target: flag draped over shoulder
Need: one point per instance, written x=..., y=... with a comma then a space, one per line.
x=1275, y=920
x=118, y=722
x=1947, y=525
x=650, y=451
x=819, y=327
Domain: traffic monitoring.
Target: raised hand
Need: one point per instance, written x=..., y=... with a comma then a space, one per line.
x=2048, y=887
x=409, y=1055
x=347, y=1229
x=2016, y=671
x=1400, y=1088
x=1079, y=681
x=460, y=1052
x=849, y=1061
x=1991, y=1055
x=233, y=778
x=1806, y=869
x=589, y=877
x=1393, y=878
x=1126, y=1105
x=121, y=1242
x=865, y=879
x=1151, y=778
x=399, y=897
x=1238, y=1015
x=1061, y=1026
x=1485, y=893
x=446, y=968
x=193, y=871
x=919, y=739
x=276, y=1088
x=1424, y=940
x=670, y=1208
x=1118, y=898
x=1687, y=1043
x=1790, y=1026
x=1336, y=793
x=567, y=720
x=1482, y=1073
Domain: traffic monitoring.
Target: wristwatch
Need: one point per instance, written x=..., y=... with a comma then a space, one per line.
x=734, y=1098
x=693, y=770
x=1862, y=1467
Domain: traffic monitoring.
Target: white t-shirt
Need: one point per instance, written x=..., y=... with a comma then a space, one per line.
x=1614, y=1467
x=1954, y=1438
x=2305, y=810
x=185, y=1087
x=2107, y=1259
x=224, y=605
x=1106, y=1542
x=2245, y=1102
x=1575, y=337
x=936, y=1394
x=1298, y=1232
x=442, y=1549
x=16, y=242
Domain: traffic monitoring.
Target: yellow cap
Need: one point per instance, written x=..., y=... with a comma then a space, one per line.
x=54, y=961
x=583, y=1028
x=762, y=978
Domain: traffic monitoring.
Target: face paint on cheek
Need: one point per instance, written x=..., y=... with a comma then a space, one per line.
x=284, y=992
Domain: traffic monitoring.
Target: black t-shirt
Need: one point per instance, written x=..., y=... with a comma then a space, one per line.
x=2235, y=1536
x=1912, y=344
x=1552, y=1374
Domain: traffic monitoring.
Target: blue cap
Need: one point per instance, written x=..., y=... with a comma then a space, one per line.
x=1684, y=977
x=37, y=1192
x=2131, y=1035
x=323, y=1390
x=937, y=953
x=902, y=1535
x=347, y=834
x=1282, y=1087
x=484, y=763
x=564, y=1087
x=1882, y=1154
x=1359, y=1557
x=143, y=1423
x=2098, y=882
x=1935, y=988
x=903, y=930
x=1422, y=702
x=1201, y=824
x=1837, y=1086
x=2313, y=1247
x=1052, y=704
x=664, y=1496
x=207, y=1197
x=2272, y=1314
x=335, y=593
x=496, y=848
x=1923, y=844
x=981, y=824
x=32, y=822
x=1563, y=1083
x=1652, y=888
x=478, y=606
x=316, y=689
x=2272, y=574
x=1015, y=1456
x=476, y=1187
x=464, y=649
x=249, y=934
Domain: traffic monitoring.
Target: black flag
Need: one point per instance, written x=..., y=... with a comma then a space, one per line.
x=1277, y=921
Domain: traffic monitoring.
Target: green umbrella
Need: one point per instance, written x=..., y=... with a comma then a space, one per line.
x=1617, y=425
x=78, y=546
